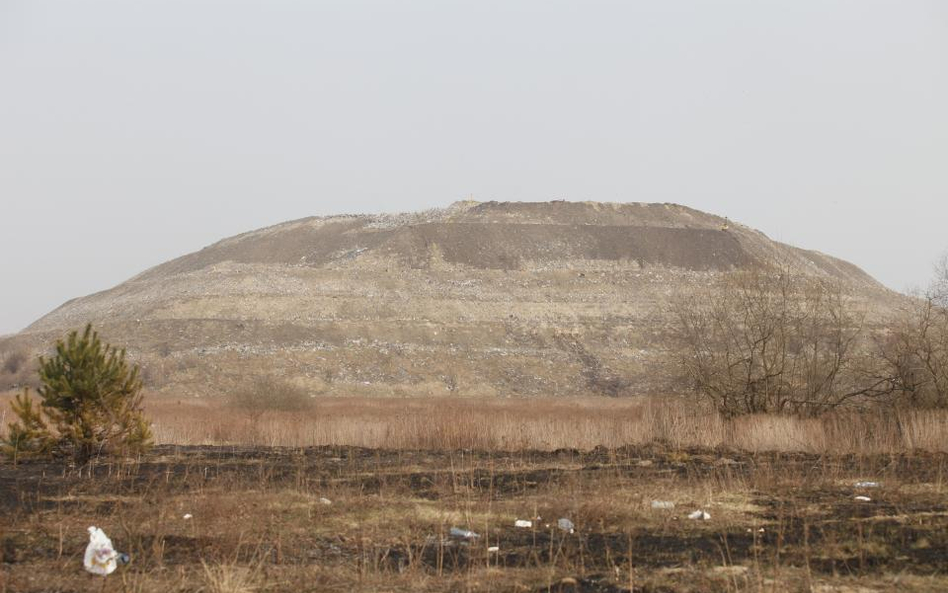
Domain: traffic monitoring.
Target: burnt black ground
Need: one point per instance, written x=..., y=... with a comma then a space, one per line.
x=801, y=510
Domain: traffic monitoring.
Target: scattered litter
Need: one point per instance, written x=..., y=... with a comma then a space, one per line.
x=101, y=558
x=493, y=549
x=663, y=504
x=867, y=484
x=863, y=499
x=731, y=570
x=459, y=533
x=325, y=501
x=699, y=515
x=187, y=516
x=761, y=530
x=523, y=523
x=566, y=525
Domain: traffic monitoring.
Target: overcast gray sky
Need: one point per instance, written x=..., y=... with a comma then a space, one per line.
x=134, y=131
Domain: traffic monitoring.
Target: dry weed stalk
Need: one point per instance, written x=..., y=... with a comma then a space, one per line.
x=230, y=577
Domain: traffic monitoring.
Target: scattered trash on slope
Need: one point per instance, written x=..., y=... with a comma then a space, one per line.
x=187, y=516
x=325, y=501
x=863, y=499
x=523, y=523
x=867, y=484
x=566, y=525
x=663, y=504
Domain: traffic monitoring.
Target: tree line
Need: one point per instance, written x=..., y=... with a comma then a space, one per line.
x=774, y=340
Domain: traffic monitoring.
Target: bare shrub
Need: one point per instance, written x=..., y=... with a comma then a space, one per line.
x=770, y=340
x=917, y=347
x=14, y=361
x=269, y=394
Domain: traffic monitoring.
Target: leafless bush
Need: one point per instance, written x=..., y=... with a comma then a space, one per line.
x=917, y=347
x=770, y=340
x=14, y=361
x=269, y=394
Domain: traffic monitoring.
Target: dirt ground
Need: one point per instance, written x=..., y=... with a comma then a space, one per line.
x=351, y=519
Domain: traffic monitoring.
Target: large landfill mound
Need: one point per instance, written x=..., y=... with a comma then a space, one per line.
x=476, y=299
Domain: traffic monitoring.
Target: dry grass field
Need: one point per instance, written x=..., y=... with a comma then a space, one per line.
x=361, y=495
x=540, y=424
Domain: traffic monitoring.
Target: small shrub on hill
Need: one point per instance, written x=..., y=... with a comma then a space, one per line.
x=14, y=361
x=269, y=394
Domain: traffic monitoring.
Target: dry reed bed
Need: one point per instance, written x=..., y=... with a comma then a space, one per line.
x=542, y=424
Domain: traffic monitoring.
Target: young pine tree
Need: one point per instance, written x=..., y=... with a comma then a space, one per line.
x=91, y=404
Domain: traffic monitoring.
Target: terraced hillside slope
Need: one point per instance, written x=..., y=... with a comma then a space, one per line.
x=489, y=299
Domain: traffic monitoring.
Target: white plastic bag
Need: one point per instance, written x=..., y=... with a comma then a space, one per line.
x=458, y=533
x=699, y=515
x=101, y=558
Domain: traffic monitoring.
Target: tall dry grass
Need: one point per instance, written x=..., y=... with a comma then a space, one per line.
x=542, y=424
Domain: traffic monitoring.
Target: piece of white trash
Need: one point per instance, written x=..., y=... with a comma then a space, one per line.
x=863, y=499
x=663, y=504
x=493, y=549
x=325, y=501
x=463, y=533
x=867, y=484
x=187, y=516
x=101, y=558
x=523, y=523
x=699, y=515
x=761, y=530
x=566, y=525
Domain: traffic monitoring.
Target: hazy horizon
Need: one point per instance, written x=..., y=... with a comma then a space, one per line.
x=133, y=133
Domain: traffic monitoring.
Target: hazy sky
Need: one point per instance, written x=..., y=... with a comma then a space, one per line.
x=134, y=131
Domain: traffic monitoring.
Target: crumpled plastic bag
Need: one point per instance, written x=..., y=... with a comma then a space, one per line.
x=699, y=515
x=458, y=533
x=101, y=558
